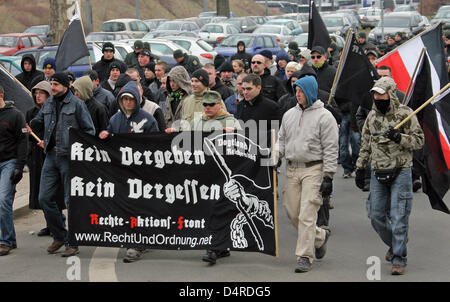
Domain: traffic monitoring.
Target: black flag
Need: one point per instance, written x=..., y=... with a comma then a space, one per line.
x=317, y=31
x=357, y=76
x=15, y=91
x=72, y=46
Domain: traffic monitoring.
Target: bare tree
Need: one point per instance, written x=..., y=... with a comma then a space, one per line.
x=223, y=8
x=58, y=19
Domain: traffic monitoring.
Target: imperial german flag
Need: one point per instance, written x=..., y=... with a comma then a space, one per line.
x=433, y=160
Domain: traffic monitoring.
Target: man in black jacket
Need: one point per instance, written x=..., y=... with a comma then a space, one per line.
x=28, y=65
x=102, y=66
x=13, y=156
x=325, y=72
x=272, y=88
x=256, y=106
x=246, y=58
x=101, y=95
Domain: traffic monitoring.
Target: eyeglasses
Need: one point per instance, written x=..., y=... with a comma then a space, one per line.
x=256, y=62
x=209, y=105
x=318, y=57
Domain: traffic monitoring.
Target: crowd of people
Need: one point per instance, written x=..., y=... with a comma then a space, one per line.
x=143, y=95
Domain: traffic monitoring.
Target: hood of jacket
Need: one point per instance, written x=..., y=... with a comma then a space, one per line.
x=388, y=85
x=28, y=57
x=84, y=86
x=42, y=85
x=288, y=85
x=181, y=77
x=132, y=88
x=282, y=55
x=310, y=88
x=237, y=46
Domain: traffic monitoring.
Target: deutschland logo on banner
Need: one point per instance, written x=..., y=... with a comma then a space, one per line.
x=190, y=190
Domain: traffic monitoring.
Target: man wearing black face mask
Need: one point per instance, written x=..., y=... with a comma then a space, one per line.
x=390, y=153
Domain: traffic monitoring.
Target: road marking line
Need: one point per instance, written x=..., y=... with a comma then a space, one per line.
x=102, y=267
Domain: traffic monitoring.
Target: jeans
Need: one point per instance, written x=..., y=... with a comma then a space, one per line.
x=7, y=191
x=55, y=172
x=348, y=137
x=392, y=202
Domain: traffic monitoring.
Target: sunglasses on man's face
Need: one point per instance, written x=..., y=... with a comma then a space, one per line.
x=256, y=62
x=318, y=57
x=209, y=105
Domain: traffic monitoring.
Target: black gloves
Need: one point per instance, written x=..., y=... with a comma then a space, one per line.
x=359, y=178
x=16, y=176
x=393, y=135
x=326, y=187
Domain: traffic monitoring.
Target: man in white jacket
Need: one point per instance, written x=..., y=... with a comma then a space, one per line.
x=308, y=139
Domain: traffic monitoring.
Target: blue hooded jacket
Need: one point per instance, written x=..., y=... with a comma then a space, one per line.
x=309, y=87
x=139, y=121
x=280, y=73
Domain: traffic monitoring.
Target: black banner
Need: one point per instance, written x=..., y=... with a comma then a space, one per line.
x=190, y=190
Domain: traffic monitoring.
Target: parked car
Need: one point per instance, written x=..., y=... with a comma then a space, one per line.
x=362, y=11
x=404, y=8
x=444, y=17
x=135, y=27
x=12, y=64
x=371, y=17
x=409, y=22
x=254, y=43
x=213, y=33
x=11, y=43
x=179, y=26
x=197, y=47
x=337, y=24
x=245, y=24
x=282, y=34
x=163, y=48
x=207, y=14
x=78, y=68
x=107, y=36
x=154, y=23
x=259, y=19
x=42, y=31
x=164, y=33
x=302, y=41
x=122, y=49
x=290, y=24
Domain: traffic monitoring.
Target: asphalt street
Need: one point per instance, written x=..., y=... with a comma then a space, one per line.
x=351, y=248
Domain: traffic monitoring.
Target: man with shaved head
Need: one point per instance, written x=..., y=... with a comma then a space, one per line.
x=272, y=88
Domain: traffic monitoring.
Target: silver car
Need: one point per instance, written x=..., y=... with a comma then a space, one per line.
x=135, y=27
x=196, y=46
x=281, y=33
x=214, y=33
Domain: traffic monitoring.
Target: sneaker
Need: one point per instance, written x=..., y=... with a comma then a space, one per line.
x=303, y=265
x=44, y=232
x=389, y=255
x=417, y=185
x=398, y=269
x=5, y=249
x=55, y=246
x=132, y=255
x=70, y=251
x=321, y=251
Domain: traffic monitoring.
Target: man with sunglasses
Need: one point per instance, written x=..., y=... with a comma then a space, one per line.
x=272, y=88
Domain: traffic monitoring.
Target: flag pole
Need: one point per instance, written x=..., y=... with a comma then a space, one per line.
x=413, y=76
x=422, y=106
x=338, y=71
x=275, y=210
x=84, y=35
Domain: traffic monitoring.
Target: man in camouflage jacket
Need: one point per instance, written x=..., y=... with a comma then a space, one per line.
x=389, y=153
